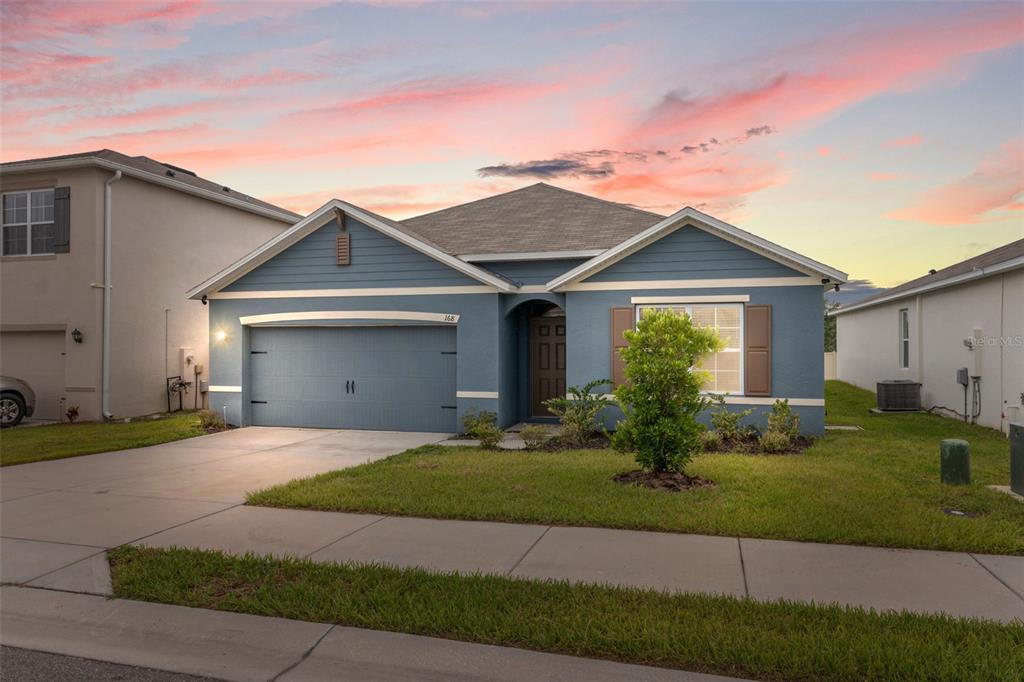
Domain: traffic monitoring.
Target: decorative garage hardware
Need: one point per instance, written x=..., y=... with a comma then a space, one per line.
x=257, y=352
x=449, y=352
x=258, y=402
x=317, y=315
x=344, y=250
x=448, y=407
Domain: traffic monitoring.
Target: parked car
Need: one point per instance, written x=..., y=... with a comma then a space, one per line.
x=17, y=401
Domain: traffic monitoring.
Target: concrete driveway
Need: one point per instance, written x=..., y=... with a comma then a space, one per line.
x=63, y=512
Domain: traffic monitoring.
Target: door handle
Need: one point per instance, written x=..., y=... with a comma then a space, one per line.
x=347, y=385
x=353, y=385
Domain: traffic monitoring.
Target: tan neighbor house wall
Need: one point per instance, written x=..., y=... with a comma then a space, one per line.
x=164, y=241
x=54, y=291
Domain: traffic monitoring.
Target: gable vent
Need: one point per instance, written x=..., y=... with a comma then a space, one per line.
x=344, y=249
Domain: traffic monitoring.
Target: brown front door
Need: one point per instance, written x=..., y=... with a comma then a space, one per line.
x=547, y=362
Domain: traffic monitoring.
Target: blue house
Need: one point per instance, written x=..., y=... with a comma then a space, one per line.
x=352, y=320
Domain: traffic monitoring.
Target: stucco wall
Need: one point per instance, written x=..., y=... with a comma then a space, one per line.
x=164, y=242
x=54, y=291
x=867, y=344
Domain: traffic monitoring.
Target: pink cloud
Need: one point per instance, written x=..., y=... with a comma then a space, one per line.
x=45, y=19
x=853, y=68
x=824, y=150
x=910, y=141
x=879, y=176
x=995, y=185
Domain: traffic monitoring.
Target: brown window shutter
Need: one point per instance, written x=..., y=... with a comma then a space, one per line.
x=622, y=320
x=758, y=351
x=344, y=250
x=61, y=219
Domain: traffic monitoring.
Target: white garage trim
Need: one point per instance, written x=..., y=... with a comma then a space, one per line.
x=225, y=389
x=355, y=293
x=320, y=315
x=489, y=395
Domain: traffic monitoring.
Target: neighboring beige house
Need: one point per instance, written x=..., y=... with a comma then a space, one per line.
x=168, y=229
x=968, y=315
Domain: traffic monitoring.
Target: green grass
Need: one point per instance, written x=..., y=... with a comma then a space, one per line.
x=768, y=641
x=879, y=486
x=57, y=441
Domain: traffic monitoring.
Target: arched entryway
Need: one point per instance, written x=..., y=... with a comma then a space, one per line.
x=540, y=356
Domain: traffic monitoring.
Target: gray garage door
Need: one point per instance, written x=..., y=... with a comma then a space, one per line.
x=399, y=378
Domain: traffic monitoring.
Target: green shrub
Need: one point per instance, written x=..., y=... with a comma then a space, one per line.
x=210, y=420
x=483, y=426
x=710, y=441
x=471, y=421
x=534, y=435
x=662, y=397
x=774, y=442
x=727, y=422
x=489, y=435
x=783, y=420
x=578, y=414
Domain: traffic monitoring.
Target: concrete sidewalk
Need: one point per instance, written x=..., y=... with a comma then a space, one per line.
x=954, y=583
x=233, y=646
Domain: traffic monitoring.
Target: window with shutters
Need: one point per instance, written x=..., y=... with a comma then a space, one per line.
x=726, y=366
x=28, y=223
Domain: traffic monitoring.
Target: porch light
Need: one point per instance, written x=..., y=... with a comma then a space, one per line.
x=220, y=335
x=76, y=335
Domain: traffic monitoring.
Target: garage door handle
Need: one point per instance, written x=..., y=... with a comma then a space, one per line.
x=348, y=386
x=353, y=385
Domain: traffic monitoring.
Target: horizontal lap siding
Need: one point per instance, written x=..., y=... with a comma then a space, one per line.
x=797, y=338
x=691, y=253
x=376, y=261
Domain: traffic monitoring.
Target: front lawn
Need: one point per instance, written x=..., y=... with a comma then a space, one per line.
x=879, y=486
x=725, y=635
x=57, y=441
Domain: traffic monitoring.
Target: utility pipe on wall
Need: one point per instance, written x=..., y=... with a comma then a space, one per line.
x=107, y=238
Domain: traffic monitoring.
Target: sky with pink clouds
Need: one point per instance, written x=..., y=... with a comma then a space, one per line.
x=882, y=138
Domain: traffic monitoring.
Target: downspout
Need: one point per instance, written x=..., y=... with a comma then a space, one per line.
x=107, y=258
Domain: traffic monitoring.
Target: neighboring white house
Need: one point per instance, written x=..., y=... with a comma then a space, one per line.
x=168, y=229
x=968, y=315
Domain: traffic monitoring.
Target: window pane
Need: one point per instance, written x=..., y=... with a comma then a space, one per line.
x=15, y=208
x=42, y=206
x=15, y=240
x=42, y=238
x=727, y=381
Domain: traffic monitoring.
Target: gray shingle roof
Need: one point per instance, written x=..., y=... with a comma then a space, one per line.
x=997, y=255
x=539, y=217
x=144, y=163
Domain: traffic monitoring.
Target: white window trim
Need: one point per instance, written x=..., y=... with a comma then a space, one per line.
x=688, y=304
x=29, y=224
x=903, y=323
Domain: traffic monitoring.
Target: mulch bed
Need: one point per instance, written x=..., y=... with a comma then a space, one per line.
x=749, y=445
x=663, y=480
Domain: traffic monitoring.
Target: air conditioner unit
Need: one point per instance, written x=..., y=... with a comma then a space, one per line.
x=897, y=395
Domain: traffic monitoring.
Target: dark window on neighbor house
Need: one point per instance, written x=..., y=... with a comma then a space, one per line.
x=28, y=223
x=904, y=338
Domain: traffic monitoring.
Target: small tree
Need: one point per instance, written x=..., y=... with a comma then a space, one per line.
x=661, y=396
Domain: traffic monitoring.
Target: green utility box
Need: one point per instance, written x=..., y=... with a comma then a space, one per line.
x=955, y=457
x=1017, y=458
